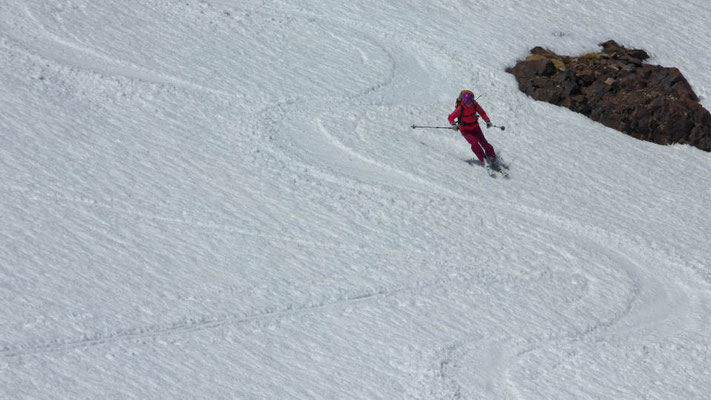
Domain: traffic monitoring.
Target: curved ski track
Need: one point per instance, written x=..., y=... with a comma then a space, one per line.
x=598, y=330
x=445, y=369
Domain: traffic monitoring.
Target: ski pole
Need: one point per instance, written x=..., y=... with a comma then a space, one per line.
x=494, y=126
x=448, y=127
x=430, y=127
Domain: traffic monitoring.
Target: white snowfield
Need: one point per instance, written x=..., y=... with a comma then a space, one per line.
x=224, y=200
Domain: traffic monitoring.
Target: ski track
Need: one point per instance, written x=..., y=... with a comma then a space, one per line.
x=115, y=67
x=129, y=213
x=447, y=362
x=138, y=73
x=196, y=324
x=187, y=326
x=447, y=372
x=76, y=80
x=444, y=363
x=439, y=190
x=275, y=124
x=594, y=332
x=203, y=322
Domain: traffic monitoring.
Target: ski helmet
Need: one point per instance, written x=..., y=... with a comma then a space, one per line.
x=467, y=98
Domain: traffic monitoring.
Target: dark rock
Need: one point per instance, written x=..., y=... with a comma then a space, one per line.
x=638, y=54
x=544, y=67
x=611, y=47
x=668, y=76
x=532, y=68
x=586, y=78
x=616, y=88
x=540, y=51
x=634, y=62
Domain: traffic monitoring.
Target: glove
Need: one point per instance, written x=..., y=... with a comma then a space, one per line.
x=455, y=126
x=489, y=124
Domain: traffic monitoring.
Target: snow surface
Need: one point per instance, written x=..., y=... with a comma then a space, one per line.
x=224, y=200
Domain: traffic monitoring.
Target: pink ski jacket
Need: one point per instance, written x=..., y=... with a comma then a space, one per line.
x=468, y=114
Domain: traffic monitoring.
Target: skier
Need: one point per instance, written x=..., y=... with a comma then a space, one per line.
x=468, y=125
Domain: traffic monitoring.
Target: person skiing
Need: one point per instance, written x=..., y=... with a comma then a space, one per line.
x=468, y=125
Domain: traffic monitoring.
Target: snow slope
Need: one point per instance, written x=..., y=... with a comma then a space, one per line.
x=224, y=200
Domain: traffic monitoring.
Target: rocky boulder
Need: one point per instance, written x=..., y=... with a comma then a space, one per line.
x=616, y=88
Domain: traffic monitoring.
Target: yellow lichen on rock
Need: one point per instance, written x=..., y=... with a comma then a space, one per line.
x=556, y=61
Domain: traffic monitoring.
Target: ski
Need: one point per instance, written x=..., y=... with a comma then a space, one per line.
x=493, y=170
x=498, y=166
x=490, y=171
x=501, y=171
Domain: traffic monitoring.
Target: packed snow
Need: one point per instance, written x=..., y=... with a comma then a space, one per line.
x=225, y=200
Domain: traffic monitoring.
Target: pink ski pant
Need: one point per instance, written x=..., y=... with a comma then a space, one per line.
x=480, y=146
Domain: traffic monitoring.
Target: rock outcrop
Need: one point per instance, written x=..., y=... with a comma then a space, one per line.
x=616, y=88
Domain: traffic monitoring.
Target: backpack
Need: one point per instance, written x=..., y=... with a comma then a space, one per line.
x=459, y=102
